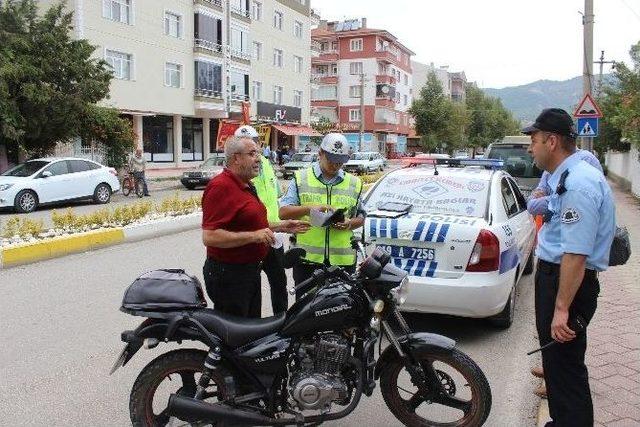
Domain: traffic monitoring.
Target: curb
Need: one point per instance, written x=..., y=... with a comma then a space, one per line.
x=60, y=246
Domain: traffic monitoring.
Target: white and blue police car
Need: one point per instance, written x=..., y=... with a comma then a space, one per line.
x=461, y=229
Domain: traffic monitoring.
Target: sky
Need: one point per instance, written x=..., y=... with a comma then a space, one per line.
x=499, y=43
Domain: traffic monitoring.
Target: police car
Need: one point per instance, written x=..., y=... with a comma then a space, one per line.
x=461, y=229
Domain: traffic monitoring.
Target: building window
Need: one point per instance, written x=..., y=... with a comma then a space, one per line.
x=192, y=141
x=277, y=95
x=172, y=75
x=354, y=115
x=257, y=51
x=122, y=63
x=239, y=81
x=172, y=24
x=297, y=98
x=277, y=58
x=208, y=79
x=278, y=18
x=297, y=29
x=117, y=10
x=355, y=45
x=208, y=32
x=355, y=68
x=257, y=90
x=406, y=99
x=325, y=93
x=297, y=64
x=239, y=41
x=256, y=11
x=157, y=135
x=355, y=91
x=406, y=79
x=241, y=7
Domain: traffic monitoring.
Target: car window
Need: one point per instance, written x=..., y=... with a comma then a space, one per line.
x=27, y=168
x=58, y=168
x=508, y=198
x=81, y=166
x=303, y=157
x=447, y=195
x=214, y=161
x=522, y=202
x=517, y=161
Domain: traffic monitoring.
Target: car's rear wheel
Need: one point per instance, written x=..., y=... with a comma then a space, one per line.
x=505, y=318
x=102, y=194
x=26, y=201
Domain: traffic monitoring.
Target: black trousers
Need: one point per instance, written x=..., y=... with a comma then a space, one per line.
x=272, y=266
x=303, y=271
x=234, y=288
x=565, y=372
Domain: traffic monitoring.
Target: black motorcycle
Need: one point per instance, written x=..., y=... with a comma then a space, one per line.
x=305, y=367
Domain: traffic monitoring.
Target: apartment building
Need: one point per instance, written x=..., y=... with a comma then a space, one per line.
x=182, y=66
x=453, y=83
x=362, y=81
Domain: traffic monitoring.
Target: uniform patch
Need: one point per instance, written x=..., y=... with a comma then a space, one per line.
x=569, y=216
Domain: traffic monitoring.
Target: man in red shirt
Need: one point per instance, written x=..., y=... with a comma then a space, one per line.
x=236, y=232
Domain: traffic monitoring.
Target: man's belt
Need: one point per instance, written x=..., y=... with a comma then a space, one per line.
x=551, y=267
x=242, y=266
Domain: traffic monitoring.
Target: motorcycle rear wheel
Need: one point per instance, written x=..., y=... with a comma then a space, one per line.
x=416, y=411
x=185, y=366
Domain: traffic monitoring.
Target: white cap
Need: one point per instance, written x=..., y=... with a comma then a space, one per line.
x=336, y=147
x=247, y=131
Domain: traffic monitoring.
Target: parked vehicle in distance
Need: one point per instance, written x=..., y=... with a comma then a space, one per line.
x=464, y=236
x=205, y=172
x=365, y=162
x=512, y=150
x=52, y=180
x=298, y=161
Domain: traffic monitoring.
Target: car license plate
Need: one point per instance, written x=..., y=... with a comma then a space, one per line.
x=426, y=254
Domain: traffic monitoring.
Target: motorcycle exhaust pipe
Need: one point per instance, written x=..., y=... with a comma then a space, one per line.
x=188, y=408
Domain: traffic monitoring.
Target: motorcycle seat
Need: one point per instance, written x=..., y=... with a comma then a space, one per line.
x=238, y=331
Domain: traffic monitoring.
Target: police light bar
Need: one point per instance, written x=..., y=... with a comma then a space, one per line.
x=487, y=163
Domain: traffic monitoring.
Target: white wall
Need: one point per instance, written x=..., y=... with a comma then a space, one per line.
x=346, y=80
x=627, y=167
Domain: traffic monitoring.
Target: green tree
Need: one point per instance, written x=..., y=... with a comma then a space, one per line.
x=49, y=84
x=489, y=120
x=438, y=120
x=323, y=125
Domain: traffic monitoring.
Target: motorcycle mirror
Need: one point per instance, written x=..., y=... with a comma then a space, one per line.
x=292, y=257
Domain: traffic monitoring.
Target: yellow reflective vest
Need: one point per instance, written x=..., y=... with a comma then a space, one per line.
x=326, y=244
x=267, y=188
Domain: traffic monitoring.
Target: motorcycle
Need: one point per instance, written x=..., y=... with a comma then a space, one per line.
x=309, y=365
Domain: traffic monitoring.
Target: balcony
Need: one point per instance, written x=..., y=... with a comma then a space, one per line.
x=240, y=54
x=329, y=103
x=386, y=79
x=216, y=4
x=386, y=55
x=239, y=97
x=206, y=46
x=385, y=101
x=212, y=95
x=324, y=78
x=330, y=55
x=244, y=15
x=315, y=47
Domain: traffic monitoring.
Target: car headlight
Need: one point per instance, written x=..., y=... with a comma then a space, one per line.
x=185, y=174
x=4, y=187
x=399, y=294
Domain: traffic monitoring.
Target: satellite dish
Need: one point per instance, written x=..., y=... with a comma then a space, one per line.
x=385, y=89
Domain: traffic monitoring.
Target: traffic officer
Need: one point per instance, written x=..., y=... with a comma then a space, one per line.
x=236, y=232
x=573, y=246
x=325, y=186
x=268, y=189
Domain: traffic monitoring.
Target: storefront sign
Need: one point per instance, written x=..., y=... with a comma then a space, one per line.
x=278, y=113
x=264, y=133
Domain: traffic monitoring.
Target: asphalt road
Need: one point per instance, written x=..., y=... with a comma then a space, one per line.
x=61, y=327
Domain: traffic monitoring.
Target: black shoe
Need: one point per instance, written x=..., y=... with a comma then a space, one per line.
x=147, y=195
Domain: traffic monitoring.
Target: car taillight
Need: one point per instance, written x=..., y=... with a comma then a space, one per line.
x=113, y=172
x=486, y=253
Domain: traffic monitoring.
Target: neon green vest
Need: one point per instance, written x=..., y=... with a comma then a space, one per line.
x=327, y=243
x=267, y=188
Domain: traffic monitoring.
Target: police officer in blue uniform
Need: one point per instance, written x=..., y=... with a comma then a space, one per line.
x=573, y=246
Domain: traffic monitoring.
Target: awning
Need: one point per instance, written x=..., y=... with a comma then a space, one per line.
x=297, y=130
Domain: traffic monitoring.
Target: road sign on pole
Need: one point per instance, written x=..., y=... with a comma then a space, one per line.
x=588, y=126
x=587, y=108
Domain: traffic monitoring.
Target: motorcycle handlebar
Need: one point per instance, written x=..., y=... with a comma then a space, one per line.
x=303, y=287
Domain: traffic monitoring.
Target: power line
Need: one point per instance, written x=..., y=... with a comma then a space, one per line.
x=631, y=9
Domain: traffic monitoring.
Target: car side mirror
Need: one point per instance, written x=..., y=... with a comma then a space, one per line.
x=46, y=174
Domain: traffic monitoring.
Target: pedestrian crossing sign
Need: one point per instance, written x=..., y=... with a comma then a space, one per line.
x=588, y=126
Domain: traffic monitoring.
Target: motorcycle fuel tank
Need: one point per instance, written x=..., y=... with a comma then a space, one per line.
x=333, y=307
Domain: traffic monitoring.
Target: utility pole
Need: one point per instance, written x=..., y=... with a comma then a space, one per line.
x=587, y=68
x=361, y=112
x=602, y=62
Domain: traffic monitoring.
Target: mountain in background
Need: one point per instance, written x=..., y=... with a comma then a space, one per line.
x=526, y=101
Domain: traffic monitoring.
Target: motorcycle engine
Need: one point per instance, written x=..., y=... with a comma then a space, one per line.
x=317, y=380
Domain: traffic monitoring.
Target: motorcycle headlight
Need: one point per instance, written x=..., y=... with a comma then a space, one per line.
x=4, y=187
x=399, y=293
x=185, y=174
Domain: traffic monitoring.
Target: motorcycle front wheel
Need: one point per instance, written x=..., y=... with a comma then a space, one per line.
x=465, y=401
x=174, y=372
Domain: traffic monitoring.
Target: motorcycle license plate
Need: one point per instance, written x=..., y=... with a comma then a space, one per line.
x=406, y=252
x=118, y=363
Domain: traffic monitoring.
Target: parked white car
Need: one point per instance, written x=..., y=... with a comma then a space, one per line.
x=51, y=180
x=463, y=234
x=364, y=162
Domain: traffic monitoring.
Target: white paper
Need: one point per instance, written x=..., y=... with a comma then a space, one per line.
x=318, y=217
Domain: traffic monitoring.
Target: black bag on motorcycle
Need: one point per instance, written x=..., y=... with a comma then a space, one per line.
x=166, y=289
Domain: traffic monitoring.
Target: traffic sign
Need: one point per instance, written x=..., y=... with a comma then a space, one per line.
x=588, y=126
x=587, y=108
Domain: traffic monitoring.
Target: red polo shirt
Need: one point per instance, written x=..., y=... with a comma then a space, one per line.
x=229, y=204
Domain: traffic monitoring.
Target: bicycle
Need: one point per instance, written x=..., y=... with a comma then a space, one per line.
x=129, y=183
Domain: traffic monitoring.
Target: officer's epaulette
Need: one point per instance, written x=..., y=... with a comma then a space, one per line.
x=561, y=189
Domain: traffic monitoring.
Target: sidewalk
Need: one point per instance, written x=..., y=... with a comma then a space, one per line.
x=613, y=352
